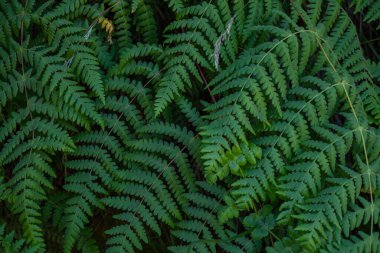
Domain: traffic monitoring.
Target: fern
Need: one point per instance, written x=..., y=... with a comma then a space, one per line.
x=202, y=231
x=189, y=126
x=369, y=8
x=153, y=196
x=11, y=245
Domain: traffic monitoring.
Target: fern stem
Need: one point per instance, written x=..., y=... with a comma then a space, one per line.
x=360, y=128
x=206, y=83
x=324, y=53
x=366, y=160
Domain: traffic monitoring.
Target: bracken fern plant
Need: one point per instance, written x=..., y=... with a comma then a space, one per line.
x=189, y=126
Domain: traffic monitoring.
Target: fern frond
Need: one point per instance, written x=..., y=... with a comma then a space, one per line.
x=202, y=231
x=357, y=244
x=9, y=244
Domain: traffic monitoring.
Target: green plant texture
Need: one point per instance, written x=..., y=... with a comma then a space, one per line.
x=189, y=126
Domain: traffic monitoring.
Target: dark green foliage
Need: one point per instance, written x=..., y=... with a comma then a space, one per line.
x=189, y=126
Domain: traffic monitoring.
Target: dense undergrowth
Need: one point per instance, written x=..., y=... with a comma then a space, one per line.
x=189, y=126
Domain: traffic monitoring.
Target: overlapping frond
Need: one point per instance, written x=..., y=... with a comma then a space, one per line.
x=189, y=126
